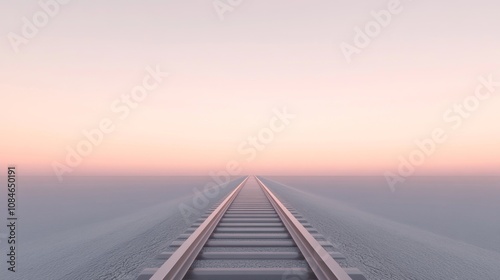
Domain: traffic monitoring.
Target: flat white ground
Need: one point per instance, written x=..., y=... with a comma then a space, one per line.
x=95, y=228
x=382, y=234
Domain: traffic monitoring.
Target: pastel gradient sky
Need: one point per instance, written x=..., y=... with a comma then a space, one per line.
x=226, y=77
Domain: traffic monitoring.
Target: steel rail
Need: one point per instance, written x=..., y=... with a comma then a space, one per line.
x=176, y=267
x=320, y=261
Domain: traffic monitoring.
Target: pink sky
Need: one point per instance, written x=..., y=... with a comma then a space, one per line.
x=227, y=77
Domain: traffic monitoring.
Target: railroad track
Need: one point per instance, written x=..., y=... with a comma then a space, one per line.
x=251, y=234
